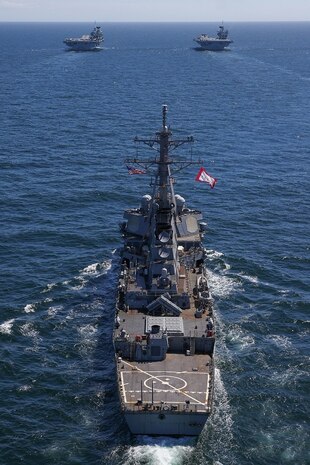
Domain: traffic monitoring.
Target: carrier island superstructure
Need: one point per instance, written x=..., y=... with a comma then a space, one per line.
x=164, y=330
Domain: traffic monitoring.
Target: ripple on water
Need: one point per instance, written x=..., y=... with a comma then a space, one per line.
x=216, y=442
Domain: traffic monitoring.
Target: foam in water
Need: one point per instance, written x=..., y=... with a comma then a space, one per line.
x=97, y=268
x=29, y=308
x=213, y=254
x=161, y=451
x=6, y=327
x=93, y=270
x=282, y=342
x=52, y=311
x=236, y=336
x=87, y=330
x=80, y=281
x=88, y=339
x=251, y=279
x=275, y=441
x=49, y=287
x=28, y=330
x=222, y=286
x=225, y=287
x=24, y=388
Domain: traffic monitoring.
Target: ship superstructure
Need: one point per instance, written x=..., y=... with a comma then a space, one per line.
x=218, y=43
x=164, y=331
x=86, y=43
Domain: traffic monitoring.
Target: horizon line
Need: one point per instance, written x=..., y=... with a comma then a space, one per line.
x=160, y=22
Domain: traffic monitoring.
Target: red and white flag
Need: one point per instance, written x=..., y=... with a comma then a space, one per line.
x=133, y=170
x=203, y=176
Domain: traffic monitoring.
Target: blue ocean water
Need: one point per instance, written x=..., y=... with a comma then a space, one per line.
x=67, y=124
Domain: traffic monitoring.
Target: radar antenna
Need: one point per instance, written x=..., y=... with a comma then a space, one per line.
x=163, y=144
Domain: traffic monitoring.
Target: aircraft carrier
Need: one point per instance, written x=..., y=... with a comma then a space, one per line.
x=87, y=43
x=215, y=44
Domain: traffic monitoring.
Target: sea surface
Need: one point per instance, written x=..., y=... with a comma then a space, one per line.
x=67, y=124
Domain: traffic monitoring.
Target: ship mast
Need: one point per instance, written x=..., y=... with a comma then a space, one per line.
x=163, y=167
x=164, y=145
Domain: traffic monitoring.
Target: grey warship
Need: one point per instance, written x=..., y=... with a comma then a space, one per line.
x=87, y=43
x=215, y=44
x=164, y=332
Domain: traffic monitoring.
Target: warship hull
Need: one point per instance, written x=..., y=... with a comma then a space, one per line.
x=166, y=424
x=79, y=46
x=213, y=45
